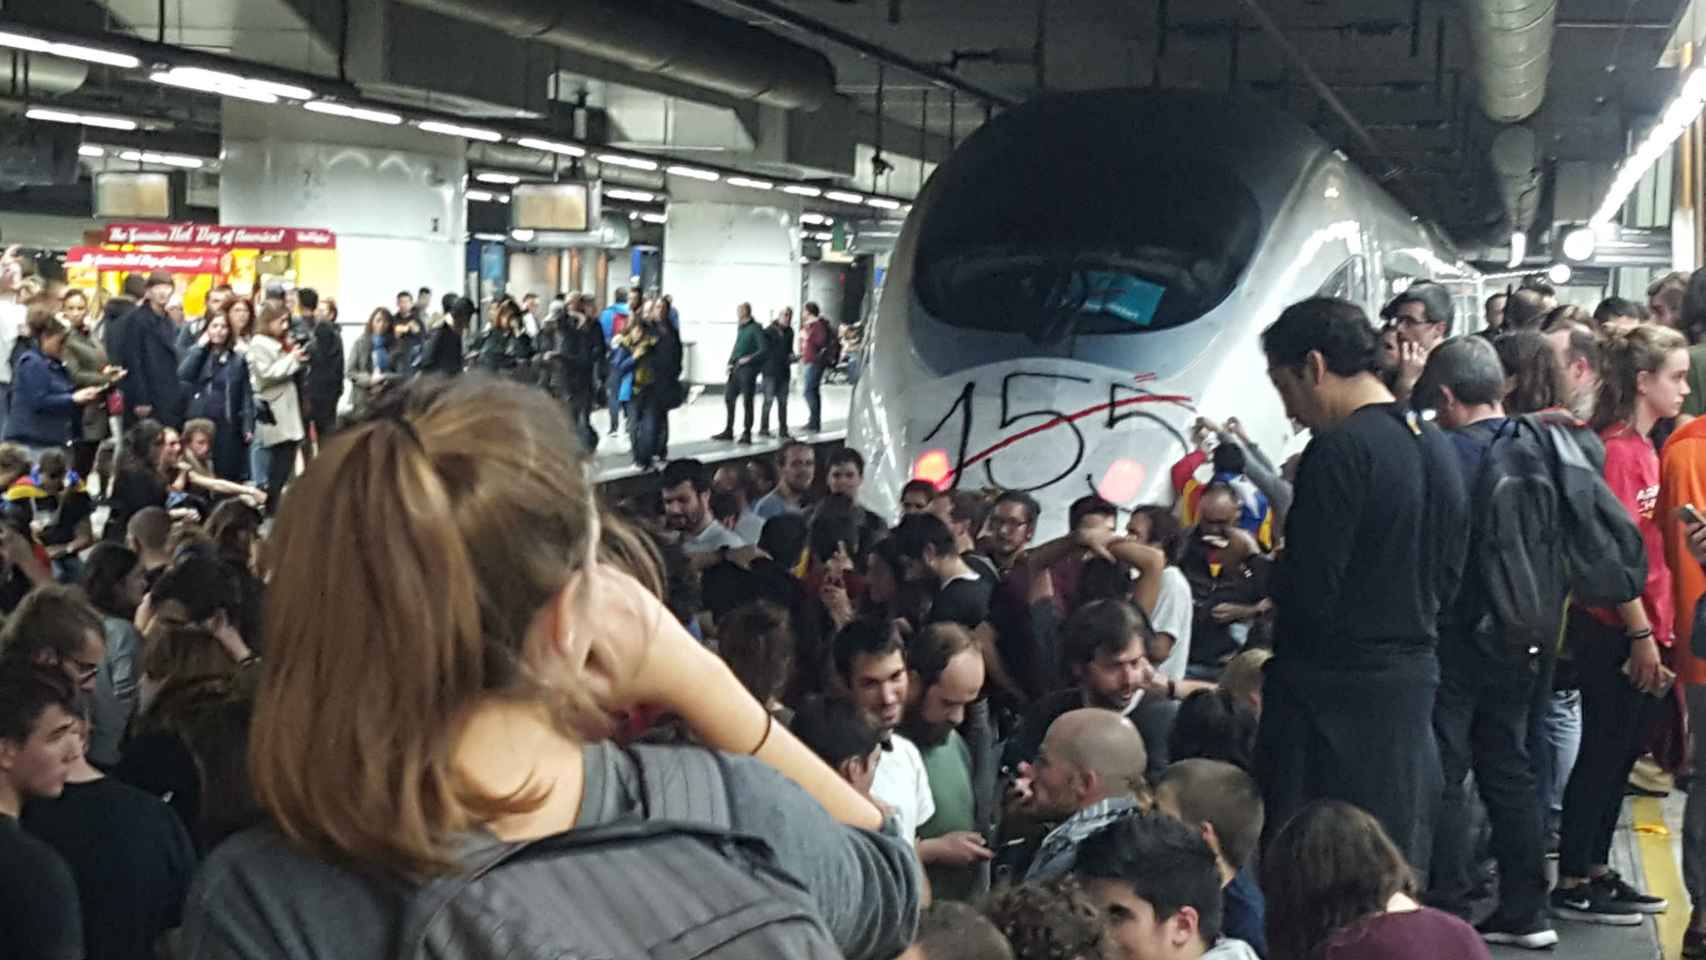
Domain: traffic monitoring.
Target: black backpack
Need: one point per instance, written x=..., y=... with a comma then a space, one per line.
x=1605, y=557
x=1517, y=534
x=675, y=883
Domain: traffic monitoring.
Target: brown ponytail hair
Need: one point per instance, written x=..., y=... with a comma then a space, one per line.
x=430, y=538
x=1624, y=356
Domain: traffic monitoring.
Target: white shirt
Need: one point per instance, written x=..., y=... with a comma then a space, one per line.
x=749, y=526
x=902, y=784
x=714, y=537
x=11, y=322
x=1173, y=614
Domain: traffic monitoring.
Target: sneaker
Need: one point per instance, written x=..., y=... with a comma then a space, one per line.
x=1536, y=934
x=725, y=436
x=1620, y=893
x=1589, y=903
x=745, y=438
x=1554, y=840
x=764, y=431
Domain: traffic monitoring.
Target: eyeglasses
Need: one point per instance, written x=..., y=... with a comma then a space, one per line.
x=1404, y=320
x=84, y=669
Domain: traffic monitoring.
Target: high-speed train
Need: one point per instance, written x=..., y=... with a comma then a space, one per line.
x=1090, y=272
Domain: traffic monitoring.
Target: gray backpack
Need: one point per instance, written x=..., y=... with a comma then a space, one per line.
x=672, y=884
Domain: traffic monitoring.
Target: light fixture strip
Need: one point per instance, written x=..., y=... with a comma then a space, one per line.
x=632, y=163
x=842, y=196
x=1677, y=117
x=637, y=196
x=337, y=109
x=71, y=51
x=551, y=146
x=82, y=119
x=800, y=190
x=458, y=130
x=694, y=173
x=882, y=203
x=750, y=183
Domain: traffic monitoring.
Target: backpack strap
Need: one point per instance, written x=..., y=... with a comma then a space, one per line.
x=683, y=791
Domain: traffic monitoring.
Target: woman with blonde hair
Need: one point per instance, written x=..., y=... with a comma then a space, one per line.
x=1643, y=379
x=449, y=644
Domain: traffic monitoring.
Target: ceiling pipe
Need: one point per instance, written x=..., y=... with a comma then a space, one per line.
x=669, y=38
x=1513, y=54
x=1516, y=161
x=37, y=74
x=824, y=31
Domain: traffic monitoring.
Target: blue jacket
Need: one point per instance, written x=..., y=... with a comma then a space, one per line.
x=622, y=365
x=607, y=320
x=42, y=412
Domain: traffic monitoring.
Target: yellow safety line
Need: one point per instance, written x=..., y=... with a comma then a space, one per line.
x=1664, y=877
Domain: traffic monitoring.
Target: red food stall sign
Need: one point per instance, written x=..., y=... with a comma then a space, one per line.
x=188, y=260
x=216, y=235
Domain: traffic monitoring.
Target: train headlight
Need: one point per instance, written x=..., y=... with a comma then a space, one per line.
x=934, y=468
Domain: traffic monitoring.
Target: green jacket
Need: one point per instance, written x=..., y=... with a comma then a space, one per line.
x=749, y=342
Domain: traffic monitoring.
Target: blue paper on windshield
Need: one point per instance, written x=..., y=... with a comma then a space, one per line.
x=1121, y=295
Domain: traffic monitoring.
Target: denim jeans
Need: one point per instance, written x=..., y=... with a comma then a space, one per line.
x=814, y=399
x=1560, y=740
x=1481, y=722
x=1694, y=813
x=775, y=392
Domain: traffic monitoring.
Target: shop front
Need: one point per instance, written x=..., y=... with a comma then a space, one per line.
x=201, y=256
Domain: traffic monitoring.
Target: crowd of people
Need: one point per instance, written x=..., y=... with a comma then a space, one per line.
x=451, y=701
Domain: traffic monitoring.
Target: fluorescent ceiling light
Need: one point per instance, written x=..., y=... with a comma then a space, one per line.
x=883, y=203
x=750, y=183
x=815, y=218
x=800, y=191
x=73, y=51
x=523, y=235
x=337, y=109
x=1682, y=111
x=842, y=196
x=823, y=237
x=90, y=150
x=655, y=217
x=507, y=179
x=551, y=146
x=1559, y=273
x=1519, y=249
x=632, y=163
x=163, y=159
x=458, y=130
x=695, y=173
x=201, y=86
x=479, y=196
x=638, y=196
x=231, y=84
x=1579, y=243
x=85, y=119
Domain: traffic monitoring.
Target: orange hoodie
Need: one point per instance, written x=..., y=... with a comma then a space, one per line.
x=1682, y=479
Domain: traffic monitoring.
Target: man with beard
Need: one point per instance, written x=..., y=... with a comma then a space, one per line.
x=870, y=663
x=1088, y=774
x=687, y=510
x=946, y=677
x=1104, y=647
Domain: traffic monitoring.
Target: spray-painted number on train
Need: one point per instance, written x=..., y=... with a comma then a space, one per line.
x=1121, y=406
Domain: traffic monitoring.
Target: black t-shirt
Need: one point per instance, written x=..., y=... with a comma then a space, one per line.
x=39, y=917
x=1375, y=541
x=70, y=508
x=130, y=857
x=132, y=491
x=964, y=601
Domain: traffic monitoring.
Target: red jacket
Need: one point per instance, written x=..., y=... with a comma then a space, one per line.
x=817, y=338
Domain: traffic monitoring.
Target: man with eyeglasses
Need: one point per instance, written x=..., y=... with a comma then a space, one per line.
x=1423, y=315
x=55, y=628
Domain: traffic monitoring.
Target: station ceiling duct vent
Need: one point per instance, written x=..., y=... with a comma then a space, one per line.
x=1513, y=54
x=676, y=39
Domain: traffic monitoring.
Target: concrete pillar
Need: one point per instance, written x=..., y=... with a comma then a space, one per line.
x=718, y=254
x=393, y=196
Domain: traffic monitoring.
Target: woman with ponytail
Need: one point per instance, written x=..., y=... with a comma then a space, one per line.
x=1644, y=378
x=453, y=632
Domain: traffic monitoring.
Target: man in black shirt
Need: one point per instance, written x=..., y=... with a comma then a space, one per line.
x=1488, y=672
x=39, y=742
x=129, y=855
x=778, y=370
x=1375, y=547
x=927, y=546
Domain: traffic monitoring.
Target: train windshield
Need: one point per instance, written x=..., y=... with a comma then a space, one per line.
x=1086, y=243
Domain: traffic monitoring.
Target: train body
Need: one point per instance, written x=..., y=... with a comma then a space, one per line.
x=1089, y=272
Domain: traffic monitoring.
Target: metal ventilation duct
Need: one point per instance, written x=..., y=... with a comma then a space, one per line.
x=1513, y=53
x=671, y=38
x=36, y=74
x=1516, y=160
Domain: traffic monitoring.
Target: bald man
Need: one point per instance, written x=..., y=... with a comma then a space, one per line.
x=1090, y=771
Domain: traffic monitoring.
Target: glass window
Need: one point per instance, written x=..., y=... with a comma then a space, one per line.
x=1349, y=282
x=1063, y=243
